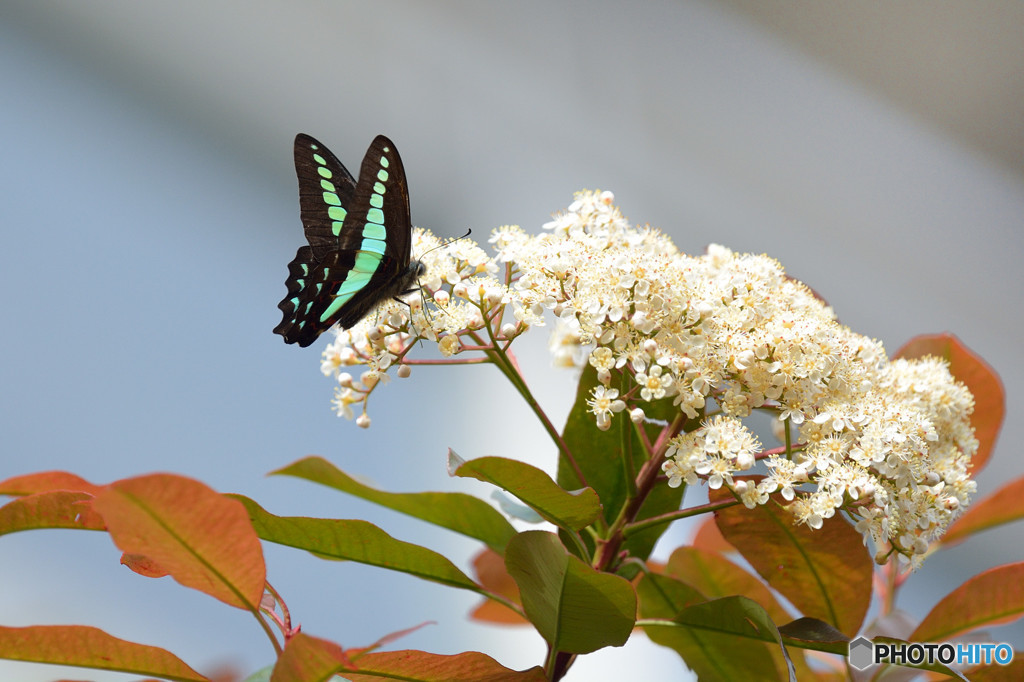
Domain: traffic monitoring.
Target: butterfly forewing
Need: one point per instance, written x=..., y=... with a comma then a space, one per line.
x=353, y=264
x=325, y=193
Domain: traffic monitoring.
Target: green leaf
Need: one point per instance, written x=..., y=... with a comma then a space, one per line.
x=990, y=598
x=811, y=633
x=601, y=457
x=1003, y=506
x=461, y=513
x=354, y=540
x=715, y=576
x=717, y=639
x=572, y=510
x=574, y=607
x=826, y=573
x=817, y=635
x=89, y=647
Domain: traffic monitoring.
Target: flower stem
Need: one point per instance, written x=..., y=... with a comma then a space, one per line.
x=505, y=361
x=631, y=528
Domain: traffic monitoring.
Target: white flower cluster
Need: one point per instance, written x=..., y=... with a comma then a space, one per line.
x=887, y=442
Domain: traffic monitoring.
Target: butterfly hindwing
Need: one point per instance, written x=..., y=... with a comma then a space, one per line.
x=352, y=264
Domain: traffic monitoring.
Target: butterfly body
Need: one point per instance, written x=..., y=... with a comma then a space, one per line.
x=359, y=235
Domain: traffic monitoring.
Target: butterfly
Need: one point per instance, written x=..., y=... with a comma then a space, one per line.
x=359, y=235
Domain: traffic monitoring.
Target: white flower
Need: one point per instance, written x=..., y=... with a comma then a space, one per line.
x=653, y=384
x=887, y=442
x=604, y=402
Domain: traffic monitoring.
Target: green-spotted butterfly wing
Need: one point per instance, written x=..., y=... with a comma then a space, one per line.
x=359, y=238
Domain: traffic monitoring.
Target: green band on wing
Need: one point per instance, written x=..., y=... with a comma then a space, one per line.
x=377, y=201
x=352, y=284
x=332, y=199
x=336, y=228
x=374, y=231
x=384, y=160
x=379, y=188
x=319, y=159
x=325, y=172
x=337, y=213
x=328, y=186
x=375, y=215
x=374, y=245
x=366, y=262
x=382, y=175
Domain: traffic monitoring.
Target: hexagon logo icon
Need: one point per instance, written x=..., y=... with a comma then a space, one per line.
x=861, y=653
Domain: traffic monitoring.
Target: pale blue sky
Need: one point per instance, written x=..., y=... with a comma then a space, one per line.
x=149, y=209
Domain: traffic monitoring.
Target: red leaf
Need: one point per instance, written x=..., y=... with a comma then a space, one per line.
x=55, y=509
x=203, y=539
x=91, y=648
x=990, y=598
x=826, y=573
x=470, y=666
x=309, y=659
x=143, y=565
x=45, y=482
x=715, y=576
x=489, y=567
x=978, y=376
x=1003, y=506
x=709, y=538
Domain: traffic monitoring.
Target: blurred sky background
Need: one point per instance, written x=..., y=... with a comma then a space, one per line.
x=148, y=210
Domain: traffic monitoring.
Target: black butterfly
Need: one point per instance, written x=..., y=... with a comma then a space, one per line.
x=359, y=236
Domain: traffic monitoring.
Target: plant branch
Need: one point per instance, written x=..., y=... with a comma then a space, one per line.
x=632, y=528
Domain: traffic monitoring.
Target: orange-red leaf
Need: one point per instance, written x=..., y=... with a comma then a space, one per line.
x=826, y=573
x=469, y=666
x=203, y=539
x=978, y=376
x=1003, y=506
x=306, y=659
x=55, y=509
x=46, y=481
x=143, y=565
x=489, y=567
x=715, y=576
x=709, y=538
x=1014, y=672
x=90, y=647
x=309, y=659
x=990, y=598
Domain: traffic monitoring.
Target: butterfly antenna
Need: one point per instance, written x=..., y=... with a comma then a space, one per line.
x=423, y=298
x=447, y=242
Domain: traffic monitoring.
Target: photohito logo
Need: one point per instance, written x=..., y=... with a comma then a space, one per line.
x=864, y=653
